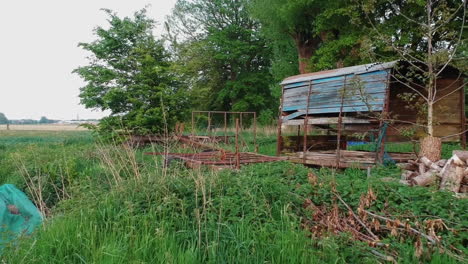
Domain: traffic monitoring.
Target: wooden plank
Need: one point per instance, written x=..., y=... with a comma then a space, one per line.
x=347, y=109
x=325, y=121
x=367, y=86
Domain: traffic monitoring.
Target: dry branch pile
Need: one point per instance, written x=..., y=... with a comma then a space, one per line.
x=376, y=225
x=452, y=174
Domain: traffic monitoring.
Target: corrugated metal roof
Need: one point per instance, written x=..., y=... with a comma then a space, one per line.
x=359, y=69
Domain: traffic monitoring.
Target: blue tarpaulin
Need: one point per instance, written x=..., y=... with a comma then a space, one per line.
x=18, y=215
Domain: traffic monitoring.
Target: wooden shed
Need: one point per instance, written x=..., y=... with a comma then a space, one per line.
x=322, y=112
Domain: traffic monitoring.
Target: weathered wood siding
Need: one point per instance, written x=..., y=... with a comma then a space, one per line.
x=362, y=92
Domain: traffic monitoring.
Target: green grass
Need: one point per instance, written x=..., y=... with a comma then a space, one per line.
x=109, y=204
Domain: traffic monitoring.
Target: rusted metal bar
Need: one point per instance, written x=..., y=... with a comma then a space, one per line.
x=237, y=145
x=225, y=128
x=255, y=132
x=306, y=122
x=340, y=123
x=279, y=139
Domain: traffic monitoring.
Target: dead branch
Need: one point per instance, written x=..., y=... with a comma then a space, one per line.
x=356, y=217
x=430, y=239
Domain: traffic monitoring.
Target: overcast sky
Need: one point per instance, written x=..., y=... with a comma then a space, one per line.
x=38, y=51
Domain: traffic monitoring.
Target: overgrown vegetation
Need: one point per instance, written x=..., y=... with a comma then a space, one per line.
x=113, y=204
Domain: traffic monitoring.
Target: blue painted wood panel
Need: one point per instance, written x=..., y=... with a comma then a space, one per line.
x=362, y=91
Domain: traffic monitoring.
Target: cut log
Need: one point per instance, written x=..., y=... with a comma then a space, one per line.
x=465, y=177
x=425, y=179
x=404, y=182
x=431, y=148
x=441, y=163
x=430, y=164
x=463, y=155
x=406, y=166
x=452, y=175
x=457, y=161
x=464, y=189
x=422, y=168
x=408, y=175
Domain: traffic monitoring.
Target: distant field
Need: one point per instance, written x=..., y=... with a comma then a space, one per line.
x=46, y=127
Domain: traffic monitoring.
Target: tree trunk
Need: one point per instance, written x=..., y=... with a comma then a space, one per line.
x=431, y=148
x=306, y=46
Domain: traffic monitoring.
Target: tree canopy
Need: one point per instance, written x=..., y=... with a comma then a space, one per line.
x=230, y=55
x=221, y=54
x=3, y=119
x=129, y=73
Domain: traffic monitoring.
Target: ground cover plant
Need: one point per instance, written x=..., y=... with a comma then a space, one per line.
x=107, y=203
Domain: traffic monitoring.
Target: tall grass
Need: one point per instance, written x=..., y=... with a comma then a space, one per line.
x=108, y=203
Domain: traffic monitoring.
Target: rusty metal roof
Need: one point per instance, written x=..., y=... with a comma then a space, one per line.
x=359, y=69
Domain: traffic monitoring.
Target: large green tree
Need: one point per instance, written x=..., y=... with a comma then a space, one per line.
x=221, y=54
x=326, y=34
x=129, y=74
x=3, y=119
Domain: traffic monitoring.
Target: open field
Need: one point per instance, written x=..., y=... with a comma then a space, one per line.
x=105, y=203
x=45, y=127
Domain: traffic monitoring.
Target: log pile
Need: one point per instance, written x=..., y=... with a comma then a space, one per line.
x=451, y=174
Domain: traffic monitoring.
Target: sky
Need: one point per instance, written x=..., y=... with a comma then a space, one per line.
x=38, y=52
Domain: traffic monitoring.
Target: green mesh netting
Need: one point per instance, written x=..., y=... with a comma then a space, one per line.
x=18, y=215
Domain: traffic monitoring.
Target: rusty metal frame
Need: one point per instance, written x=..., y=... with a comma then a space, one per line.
x=306, y=123
x=339, y=125
x=226, y=113
x=279, y=139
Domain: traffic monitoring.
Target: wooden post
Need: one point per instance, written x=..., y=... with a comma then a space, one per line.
x=237, y=145
x=193, y=124
x=241, y=123
x=225, y=128
x=255, y=131
x=298, y=140
x=279, y=143
x=306, y=123
x=340, y=123
x=462, y=119
x=209, y=123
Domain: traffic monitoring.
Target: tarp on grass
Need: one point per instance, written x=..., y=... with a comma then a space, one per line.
x=18, y=215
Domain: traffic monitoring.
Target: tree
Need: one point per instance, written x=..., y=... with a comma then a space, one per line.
x=429, y=36
x=221, y=54
x=3, y=119
x=129, y=73
x=45, y=120
x=326, y=33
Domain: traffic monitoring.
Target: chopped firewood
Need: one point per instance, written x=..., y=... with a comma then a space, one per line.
x=407, y=175
x=406, y=166
x=404, y=182
x=422, y=168
x=424, y=172
x=458, y=161
x=463, y=189
x=425, y=179
x=452, y=175
x=430, y=164
x=463, y=155
x=465, y=177
x=441, y=163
